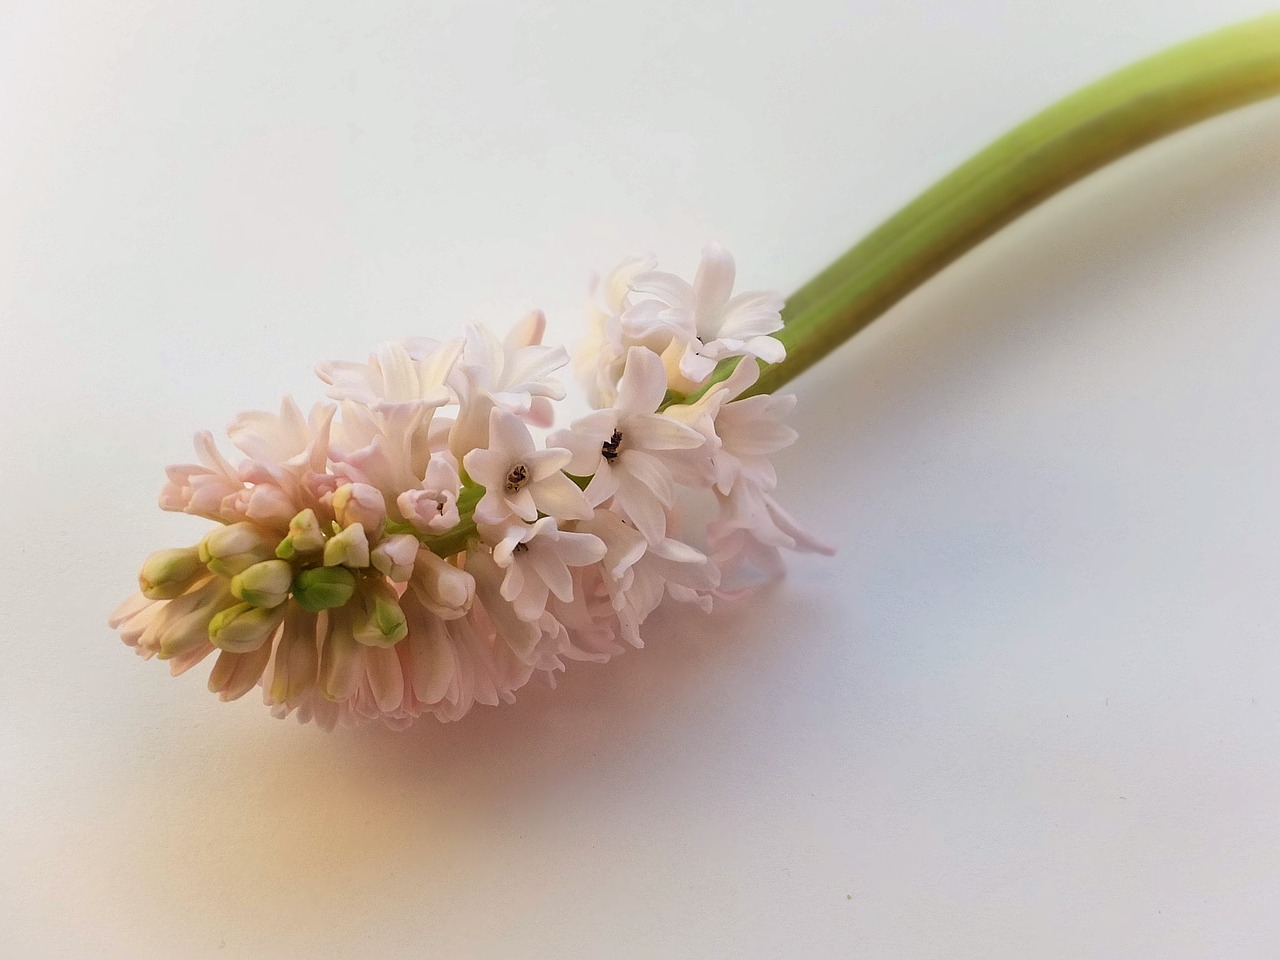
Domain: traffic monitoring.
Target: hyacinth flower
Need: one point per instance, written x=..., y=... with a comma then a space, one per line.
x=411, y=548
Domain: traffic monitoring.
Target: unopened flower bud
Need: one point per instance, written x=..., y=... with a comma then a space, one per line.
x=231, y=549
x=441, y=587
x=265, y=584
x=305, y=536
x=169, y=573
x=359, y=503
x=350, y=548
x=244, y=627
x=323, y=588
x=394, y=556
x=379, y=621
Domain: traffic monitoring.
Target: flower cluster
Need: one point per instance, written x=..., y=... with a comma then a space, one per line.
x=411, y=548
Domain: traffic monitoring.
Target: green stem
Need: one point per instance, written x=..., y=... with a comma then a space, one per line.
x=1052, y=150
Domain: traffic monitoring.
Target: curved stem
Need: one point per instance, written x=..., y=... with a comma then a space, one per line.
x=1052, y=150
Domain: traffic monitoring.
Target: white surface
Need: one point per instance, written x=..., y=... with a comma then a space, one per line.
x=1030, y=710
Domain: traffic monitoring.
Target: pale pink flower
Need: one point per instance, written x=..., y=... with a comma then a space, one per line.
x=707, y=323
x=750, y=531
x=537, y=558
x=409, y=373
x=586, y=627
x=600, y=357
x=625, y=449
x=389, y=450
x=521, y=637
x=208, y=489
x=521, y=480
x=449, y=666
x=175, y=630
x=669, y=568
x=235, y=674
x=740, y=434
x=285, y=470
x=513, y=375
x=432, y=508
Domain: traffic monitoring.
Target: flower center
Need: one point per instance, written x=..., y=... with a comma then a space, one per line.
x=609, y=449
x=517, y=478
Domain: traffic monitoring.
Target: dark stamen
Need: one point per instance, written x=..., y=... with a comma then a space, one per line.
x=516, y=478
x=609, y=449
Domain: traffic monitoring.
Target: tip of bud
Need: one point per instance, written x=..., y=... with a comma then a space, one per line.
x=350, y=548
x=265, y=584
x=169, y=573
x=322, y=588
x=243, y=627
x=381, y=622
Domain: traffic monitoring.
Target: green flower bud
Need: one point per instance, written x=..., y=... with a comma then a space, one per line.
x=229, y=550
x=305, y=536
x=379, y=621
x=350, y=548
x=322, y=588
x=244, y=627
x=169, y=573
x=265, y=584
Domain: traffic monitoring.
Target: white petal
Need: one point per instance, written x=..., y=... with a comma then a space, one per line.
x=553, y=572
x=653, y=431
x=542, y=464
x=643, y=383
x=768, y=349
x=711, y=288
x=647, y=514
x=694, y=365
x=667, y=287
x=649, y=471
x=508, y=433
x=526, y=332
x=603, y=485
x=558, y=496
x=580, y=549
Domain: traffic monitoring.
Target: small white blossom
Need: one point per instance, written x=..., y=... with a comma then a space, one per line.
x=706, y=321
x=625, y=448
x=433, y=507
x=409, y=373
x=521, y=480
x=600, y=357
x=537, y=558
x=513, y=375
x=740, y=434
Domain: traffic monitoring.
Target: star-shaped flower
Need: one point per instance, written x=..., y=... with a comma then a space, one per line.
x=707, y=323
x=625, y=448
x=519, y=479
x=537, y=558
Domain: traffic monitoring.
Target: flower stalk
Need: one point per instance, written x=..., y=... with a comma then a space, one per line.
x=1064, y=143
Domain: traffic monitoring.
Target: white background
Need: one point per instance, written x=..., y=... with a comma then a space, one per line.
x=1032, y=709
